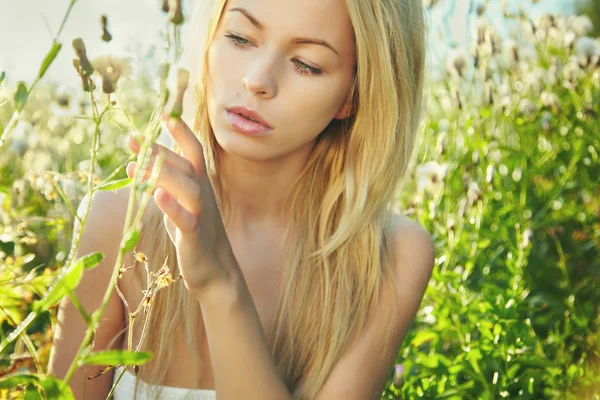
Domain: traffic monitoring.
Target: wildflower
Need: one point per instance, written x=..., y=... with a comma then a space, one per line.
x=427, y=315
x=148, y=301
x=489, y=173
x=83, y=65
x=572, y=71
x=65, y=105
x=475, y=157
x=569, y=39
x=586, y=49
x=549, y=99
x=482, y=27
x=442, y=142
x=517, y=174
x=429, y=174
x=139, y=256
x=111, y=69
x=176, y=12
x=581, y=25
x=398, y=375
x=444, y=125
x=510, y=53
x=164, y=280
x=457, y=62
x=480, y=9
x=526, y=107
x=106, y=36
x=473, y=192
x=527, y=236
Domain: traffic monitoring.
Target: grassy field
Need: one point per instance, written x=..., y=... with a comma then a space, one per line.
x=506, y=181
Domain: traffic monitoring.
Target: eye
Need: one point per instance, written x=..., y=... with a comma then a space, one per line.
x=299, y=66
x=237, y=41
x=305, y=69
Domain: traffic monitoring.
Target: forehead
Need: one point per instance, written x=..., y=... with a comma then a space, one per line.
x=323, y=19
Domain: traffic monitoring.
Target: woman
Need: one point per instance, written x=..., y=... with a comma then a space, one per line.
x=298, y=280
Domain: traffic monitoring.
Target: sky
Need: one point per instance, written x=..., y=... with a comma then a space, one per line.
x=28, y=26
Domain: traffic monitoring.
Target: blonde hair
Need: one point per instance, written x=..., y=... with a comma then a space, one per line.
x=339, y=235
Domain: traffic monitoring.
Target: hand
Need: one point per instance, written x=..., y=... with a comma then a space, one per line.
x=186, y=197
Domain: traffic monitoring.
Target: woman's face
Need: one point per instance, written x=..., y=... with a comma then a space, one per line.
x=260, y=59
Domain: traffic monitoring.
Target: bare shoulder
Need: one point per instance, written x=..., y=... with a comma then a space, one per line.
x=414, y=249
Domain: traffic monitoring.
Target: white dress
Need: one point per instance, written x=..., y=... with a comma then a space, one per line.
x=126, y=387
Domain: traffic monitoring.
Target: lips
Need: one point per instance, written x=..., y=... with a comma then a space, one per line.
x=250, y=114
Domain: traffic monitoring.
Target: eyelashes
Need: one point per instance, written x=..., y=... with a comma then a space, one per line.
x=299, y=66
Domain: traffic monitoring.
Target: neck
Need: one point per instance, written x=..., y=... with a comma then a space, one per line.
x=257, y=188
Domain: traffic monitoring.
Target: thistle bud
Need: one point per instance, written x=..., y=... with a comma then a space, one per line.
x=106, y=36
x=85, y=80
x=165, y=6
x=85, y=67
x=176, y=12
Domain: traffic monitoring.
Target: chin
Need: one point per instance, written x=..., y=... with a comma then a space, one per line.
x=238, y=145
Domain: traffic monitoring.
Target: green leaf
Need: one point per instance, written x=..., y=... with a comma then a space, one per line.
x=536, y=361
x=31, y=393
x=91, y=260
x=116, y=357
x=114, y=185
x=68, y=281
x=422, y=337
x=133, y=237
x=12, y=380
x=49, y=58
x=20, y=96
x=2, y=76
x=17, y=332
x=56, y=389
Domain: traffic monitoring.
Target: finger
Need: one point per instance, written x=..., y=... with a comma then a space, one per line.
x=185, y=221
x=182, y=187
x=171, y=157
x=187, y=141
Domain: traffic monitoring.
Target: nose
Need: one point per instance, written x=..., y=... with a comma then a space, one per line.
x=260, y=78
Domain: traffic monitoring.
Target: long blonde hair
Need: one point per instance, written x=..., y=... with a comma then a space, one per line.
x=340, y=233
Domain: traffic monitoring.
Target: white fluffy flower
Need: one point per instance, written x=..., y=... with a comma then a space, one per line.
x=457, y=62
x=581, y=25
x=586, y=50
x=526, y=107
x=110, y=69
x=429, y=175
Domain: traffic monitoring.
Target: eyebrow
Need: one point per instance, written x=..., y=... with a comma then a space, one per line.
x=295, y=39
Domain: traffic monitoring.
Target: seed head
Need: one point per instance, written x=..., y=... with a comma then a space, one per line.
x=139, y=256
x=176, y=12
x=457, y=62
x=164, y=280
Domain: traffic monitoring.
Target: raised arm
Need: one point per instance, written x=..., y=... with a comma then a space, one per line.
x=102, y=232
